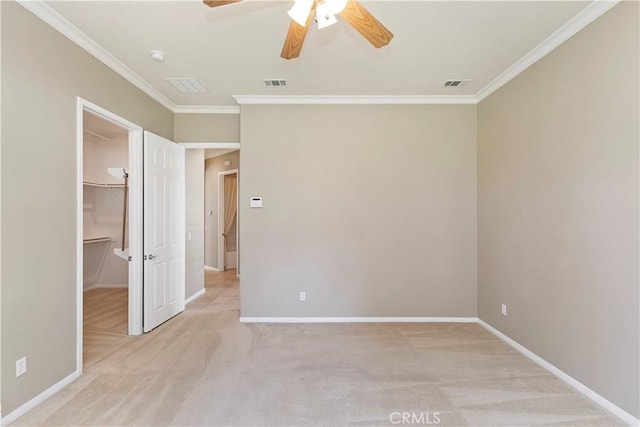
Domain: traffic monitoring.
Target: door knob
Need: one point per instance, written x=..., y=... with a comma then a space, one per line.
x=151, y=256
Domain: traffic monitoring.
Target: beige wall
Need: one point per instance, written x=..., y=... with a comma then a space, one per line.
x=369, y=209
x=214, y=166
x=194, y=198
x=207, y=127
x=42, y=74
x=558, y=207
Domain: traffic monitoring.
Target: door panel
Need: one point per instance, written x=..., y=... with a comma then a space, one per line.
x=164, y=230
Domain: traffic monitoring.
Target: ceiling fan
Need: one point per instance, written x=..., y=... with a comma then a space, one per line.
x=303, y=12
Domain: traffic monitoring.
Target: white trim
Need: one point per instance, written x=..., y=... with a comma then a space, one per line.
x=136, y=231
x=31, y=404
x=213, y=145
x=40, y=9
x=562, y=34
x=577, y=385
x=211, y=269
x=194, y=296
x=220, y=239
x=356, y=99
x=206, y=109
x=358, y=319
x=79, y=230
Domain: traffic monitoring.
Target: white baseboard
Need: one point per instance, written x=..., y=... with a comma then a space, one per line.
x=358, y=319
x=209, y=268
x=11, y=417
x=577, y=385
x=106, y=286
x=194, y=296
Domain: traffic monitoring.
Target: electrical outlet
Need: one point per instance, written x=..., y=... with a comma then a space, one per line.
x=189, y=235
x=21, y=366
x=504, y=309
x=303, y=296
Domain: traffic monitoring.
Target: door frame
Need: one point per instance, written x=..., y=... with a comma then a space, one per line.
x=135, y=219
x=221, y=253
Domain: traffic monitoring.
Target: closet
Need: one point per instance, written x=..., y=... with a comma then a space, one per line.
x=105, y=221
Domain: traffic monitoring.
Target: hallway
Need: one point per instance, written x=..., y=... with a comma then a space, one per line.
x=222, y=292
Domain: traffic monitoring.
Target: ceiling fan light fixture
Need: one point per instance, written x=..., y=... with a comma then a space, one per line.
x=324, y=17
x=300, y=11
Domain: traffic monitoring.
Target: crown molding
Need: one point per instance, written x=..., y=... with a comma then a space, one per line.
x=562, y=34
x=207, y=109
x=354, y=99
x=73, y=33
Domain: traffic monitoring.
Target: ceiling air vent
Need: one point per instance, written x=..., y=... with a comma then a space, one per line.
x=455, y=83
x=275, y=82
x=188, y=85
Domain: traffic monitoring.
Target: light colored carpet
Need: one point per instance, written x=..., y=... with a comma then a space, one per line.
x=205, y=368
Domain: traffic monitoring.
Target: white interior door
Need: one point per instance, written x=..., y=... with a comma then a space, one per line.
x=164, y=230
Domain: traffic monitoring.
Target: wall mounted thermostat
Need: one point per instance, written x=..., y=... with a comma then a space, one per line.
x=256, y=202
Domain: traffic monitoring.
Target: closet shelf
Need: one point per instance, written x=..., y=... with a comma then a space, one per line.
x=96, y=240
x=122, y=254
x=101, y=185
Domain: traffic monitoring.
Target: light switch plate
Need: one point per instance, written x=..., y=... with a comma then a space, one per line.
x=21, y=366
x=256, y=202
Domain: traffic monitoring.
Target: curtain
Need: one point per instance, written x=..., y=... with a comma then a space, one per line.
x=230, y=207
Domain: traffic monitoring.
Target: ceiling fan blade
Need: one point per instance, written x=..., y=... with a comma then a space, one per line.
x=364, y=23
x=215, y=3
x=295, y=36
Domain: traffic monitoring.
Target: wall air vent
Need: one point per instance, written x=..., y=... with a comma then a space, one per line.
x=455, y=83
x=275, y=82
x=187, y=85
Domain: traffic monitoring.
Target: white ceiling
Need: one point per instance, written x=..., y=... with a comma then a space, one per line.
x=232, y=48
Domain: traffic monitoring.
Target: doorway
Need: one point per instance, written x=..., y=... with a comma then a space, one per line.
x=228, y=220
x=105, y=238
x=219, y=157
x=100, y=212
